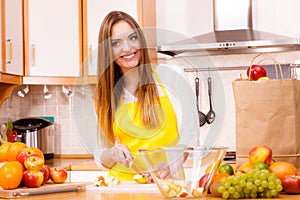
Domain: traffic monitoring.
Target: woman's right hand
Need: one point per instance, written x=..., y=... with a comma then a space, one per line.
x=121, y=153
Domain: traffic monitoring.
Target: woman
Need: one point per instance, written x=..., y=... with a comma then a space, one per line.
x=132, y=103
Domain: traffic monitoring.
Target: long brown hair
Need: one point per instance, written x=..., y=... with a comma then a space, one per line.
x=110, y=86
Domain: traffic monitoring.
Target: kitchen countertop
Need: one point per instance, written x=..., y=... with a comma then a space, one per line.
x=133, y=192
x=74, y=164
x=98, y=194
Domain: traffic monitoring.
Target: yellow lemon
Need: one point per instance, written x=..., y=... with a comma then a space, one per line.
x=264, y=78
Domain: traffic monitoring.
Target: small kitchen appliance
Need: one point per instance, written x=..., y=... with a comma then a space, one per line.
x=36, y=132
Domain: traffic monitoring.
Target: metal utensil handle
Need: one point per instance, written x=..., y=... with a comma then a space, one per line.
x=209, y=91
x=197, y=91
x=78, y=187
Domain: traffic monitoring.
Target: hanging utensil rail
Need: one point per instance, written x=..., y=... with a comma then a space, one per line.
x=198, y=69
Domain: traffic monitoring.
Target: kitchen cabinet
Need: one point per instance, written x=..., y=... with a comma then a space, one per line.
x=13, y=63
x=191, y=18
x=94, y=12
x=53, y=31
x=183, y=18
x=277, y=16
x=1, y=17
x=11, y=53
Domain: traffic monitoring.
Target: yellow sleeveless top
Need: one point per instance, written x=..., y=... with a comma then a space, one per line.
x=129, y=129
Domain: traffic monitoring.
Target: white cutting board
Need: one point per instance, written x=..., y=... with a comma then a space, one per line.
x=126, y=187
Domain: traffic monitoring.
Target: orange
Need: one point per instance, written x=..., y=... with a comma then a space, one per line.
x=245, y=167
x=14, y=149
x=3, y=151
x=11, y=174
x=219, y=176
x=281, y=168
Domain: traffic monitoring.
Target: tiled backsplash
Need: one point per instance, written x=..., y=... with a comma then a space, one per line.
x=59, y=106
x=63, y=109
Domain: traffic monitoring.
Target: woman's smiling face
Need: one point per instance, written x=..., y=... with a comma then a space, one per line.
x=126, y=46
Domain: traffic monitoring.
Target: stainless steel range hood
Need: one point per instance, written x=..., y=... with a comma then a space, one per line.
x=233, y=34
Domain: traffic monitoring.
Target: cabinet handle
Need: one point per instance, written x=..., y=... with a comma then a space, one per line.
x=90, y=53
x=33, y=55
x=10, y=47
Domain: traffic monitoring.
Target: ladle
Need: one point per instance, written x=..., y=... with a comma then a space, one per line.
x=211, y=115
x=201, y=115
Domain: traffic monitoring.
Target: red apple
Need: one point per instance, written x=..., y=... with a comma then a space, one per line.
x=33, y=178
x=58, y=175
x=291, y=184
x=205, y=180
x=46, y=173
x=255, y=72
x=26, y=152
x=260, y=154
x=34, y=162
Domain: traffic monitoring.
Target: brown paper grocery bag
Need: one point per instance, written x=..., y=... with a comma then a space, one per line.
x=268, y=113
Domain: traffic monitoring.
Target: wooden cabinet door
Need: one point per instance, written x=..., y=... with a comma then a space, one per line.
x=96, y=10
x=53, y=38
x=12, y=38
x=1, y=39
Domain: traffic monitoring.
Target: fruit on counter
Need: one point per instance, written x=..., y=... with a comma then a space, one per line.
x=106, y=181
x=261, y=165
x=34, y=162
x=216, y=183
x=245, y=167
x=24, y=153
x=140, y=178
x=11, y=174
x=291, y=184
x=33, y=178
x=212, y=168
x=252, y=184
x=226, y=168
x=46, y=173
x=206, y=180
x=255, y=72
x=214, y=188
x=3, y=151
x=58, y=175
x=14, y=150
x=260, y=154
x=282, y=168
x=219, y=176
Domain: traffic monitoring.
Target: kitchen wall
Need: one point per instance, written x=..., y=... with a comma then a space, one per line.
x=222, y=130
x=75, y=121
x=59, y=106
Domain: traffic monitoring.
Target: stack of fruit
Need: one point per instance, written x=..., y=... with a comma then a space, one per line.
x=25, y=166
x=260, y=157
x=259, y=177
x=255, y=73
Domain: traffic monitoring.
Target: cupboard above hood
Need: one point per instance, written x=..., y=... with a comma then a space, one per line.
x=233, y=33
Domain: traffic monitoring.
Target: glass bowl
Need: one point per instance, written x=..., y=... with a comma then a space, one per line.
x=183, y=172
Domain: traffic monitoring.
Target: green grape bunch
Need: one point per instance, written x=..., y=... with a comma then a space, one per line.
x=254, y=183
